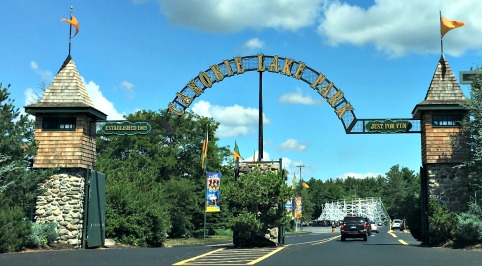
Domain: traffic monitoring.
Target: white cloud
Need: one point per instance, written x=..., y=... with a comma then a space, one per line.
x=46, y=75
x=128, y=88
x=397, y=28
x=30, y=96
x=254, y=43
x=394, y=28
x=235, y=15
x=361, y=176
x=292, y=145
x=101, y=103
x=234, y=120
x=298, y=98
x=254, y=157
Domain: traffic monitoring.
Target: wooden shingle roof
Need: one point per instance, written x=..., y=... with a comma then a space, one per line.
x=67, y=92
x=444, y=92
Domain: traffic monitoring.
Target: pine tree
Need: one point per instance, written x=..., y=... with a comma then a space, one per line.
x=18, y=183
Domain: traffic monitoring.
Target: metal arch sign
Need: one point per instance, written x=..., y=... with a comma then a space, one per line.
x=274, y=64
x=290, y=68
x=126, y=128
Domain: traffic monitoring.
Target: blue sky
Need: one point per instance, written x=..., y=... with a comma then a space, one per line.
x=136, y=54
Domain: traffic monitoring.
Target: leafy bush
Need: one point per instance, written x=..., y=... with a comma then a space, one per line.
x=245, y=227
x=442, y=223
x=42, y=234
x=223, y=232
x=469, y=229
x=246, y=222
x=13, y=227
x=414, y=218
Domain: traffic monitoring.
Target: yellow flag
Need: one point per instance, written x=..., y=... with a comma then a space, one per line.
x=305, y=185
x=205, y=150
x=73, y=21
x=447, y=25
x=236, y=155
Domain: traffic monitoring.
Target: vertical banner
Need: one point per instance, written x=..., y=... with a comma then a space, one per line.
x=213, y=192
x=298, y=208
x=289, y=208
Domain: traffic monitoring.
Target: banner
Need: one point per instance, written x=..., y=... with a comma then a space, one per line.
x=213, y=192
x=298, y=208
x=289, y=208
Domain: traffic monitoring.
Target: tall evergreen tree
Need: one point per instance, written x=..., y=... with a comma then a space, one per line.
x=473, y=129
x=18, y=184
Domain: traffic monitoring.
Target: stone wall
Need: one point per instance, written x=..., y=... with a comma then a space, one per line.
x=449, y=185
x=62, y=203
x=247, y=168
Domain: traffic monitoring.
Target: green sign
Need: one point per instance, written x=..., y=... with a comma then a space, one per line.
x=388, y=126
x=126, y=128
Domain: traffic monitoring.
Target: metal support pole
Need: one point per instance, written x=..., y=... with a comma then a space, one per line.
x=260, y=126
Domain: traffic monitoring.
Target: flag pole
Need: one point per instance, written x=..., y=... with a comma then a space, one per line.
x=441, y=37
x=206, y=181
x=70, y=29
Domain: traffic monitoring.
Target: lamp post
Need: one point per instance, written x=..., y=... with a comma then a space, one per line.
x=300, y=166
x=301, y=179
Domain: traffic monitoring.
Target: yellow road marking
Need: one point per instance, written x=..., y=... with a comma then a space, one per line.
x=403, y=242
x=314, y=242
x=200, y=256
x=265, y=256
x=325, y=240
x=392, y=234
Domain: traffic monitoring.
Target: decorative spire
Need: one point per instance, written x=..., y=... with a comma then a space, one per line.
x=73, y=23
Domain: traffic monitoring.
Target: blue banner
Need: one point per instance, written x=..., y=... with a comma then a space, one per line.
x=213, y=192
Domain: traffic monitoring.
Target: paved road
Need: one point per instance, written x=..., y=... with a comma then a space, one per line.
x=322, y=247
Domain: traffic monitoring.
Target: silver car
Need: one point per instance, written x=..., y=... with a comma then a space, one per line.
x=374, y=226
x=396, y=223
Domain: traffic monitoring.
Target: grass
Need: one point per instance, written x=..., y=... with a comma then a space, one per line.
x=193, y=241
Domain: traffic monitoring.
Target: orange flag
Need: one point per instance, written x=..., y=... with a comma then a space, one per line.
x=205, y=150
x=73, y=21
x=447, y=25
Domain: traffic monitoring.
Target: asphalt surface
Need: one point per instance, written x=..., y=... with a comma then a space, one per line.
x=320, y=246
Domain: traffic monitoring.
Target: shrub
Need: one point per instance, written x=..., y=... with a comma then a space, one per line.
x=42, y=234
x=442, y=223
x=414, y=218
x=13, y=228
x=223, y=232
x=469, y=228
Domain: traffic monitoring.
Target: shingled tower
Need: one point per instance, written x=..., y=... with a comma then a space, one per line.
x=440, y=114
x=64, y=129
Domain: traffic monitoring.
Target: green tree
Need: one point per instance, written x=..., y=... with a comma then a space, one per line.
x=18, y=183
x=473, y=130
x=400, y=185
x=255, y=201
x=158, y=174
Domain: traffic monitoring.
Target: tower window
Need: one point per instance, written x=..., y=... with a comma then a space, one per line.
x=446, y=120
x=58, y=123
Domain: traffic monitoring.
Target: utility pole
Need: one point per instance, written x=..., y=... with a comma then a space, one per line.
x=301, y=182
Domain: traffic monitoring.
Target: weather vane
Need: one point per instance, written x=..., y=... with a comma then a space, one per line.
x=73, y=23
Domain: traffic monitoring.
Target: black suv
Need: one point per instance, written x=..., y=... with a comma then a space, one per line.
x=354, y=227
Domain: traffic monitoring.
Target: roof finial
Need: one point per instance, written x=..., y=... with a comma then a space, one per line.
x=73, y=22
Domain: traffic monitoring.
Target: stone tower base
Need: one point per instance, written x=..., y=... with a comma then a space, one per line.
x=63, y=203
x=449, y=185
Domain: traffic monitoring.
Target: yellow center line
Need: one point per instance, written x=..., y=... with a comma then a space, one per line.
x=392, y=234
x=325, y=240
x=200, y=256
x=265, y=256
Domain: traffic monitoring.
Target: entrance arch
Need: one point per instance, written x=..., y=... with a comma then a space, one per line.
x=262, y=63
